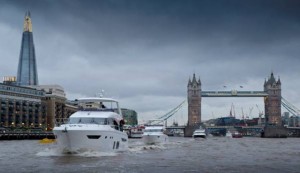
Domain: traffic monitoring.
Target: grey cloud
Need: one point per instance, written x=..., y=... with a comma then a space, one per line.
x=143, y=51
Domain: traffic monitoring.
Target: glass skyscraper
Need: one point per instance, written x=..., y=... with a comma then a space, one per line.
x=27, y=70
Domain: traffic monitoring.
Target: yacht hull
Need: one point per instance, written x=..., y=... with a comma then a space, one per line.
x=199, y=136
x=199, y=133
x=74, y=138
x=136, y=135
x=152, y=139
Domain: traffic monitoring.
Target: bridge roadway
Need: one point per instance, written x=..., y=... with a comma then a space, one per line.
x=217, y=127
x=221, y=130
x=233, y=93
x=246, y=130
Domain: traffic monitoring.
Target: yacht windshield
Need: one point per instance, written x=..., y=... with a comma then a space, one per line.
x=84, y=120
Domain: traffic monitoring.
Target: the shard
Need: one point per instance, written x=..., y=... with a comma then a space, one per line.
x=27, y=69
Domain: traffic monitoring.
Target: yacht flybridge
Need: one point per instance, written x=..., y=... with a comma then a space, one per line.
x=98, y=125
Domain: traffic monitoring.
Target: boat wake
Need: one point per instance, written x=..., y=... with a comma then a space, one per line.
x=145, y=148
x=135, y=147
x=140, y=147
x=81, y=153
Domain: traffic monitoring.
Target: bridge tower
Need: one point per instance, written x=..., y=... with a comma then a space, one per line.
x=273, y=101
x=273, y=126
x=194, y=101
x=194, y=105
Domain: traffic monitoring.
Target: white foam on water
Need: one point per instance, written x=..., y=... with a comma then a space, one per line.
x=50, y=152
x=144, y=148
x=140, y=147
x=82, y=153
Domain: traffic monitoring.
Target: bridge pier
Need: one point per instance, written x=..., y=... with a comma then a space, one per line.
x=189, y=130
x=274, y=132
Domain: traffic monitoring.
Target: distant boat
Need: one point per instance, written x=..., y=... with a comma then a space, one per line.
x=199, y=133
x=228, y=134
x=154, y=134
x=237, y=135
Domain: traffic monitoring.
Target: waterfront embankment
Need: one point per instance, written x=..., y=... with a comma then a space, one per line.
x=25, y=135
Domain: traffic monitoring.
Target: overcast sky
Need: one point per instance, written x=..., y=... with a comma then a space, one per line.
x=143, y=52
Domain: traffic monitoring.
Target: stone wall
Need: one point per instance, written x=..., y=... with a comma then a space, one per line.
x=275, y=132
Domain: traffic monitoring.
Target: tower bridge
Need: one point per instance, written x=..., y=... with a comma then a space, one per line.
x=271, y=96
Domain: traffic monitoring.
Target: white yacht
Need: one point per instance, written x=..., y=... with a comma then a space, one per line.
x=154, y=134
x=98, y=126
x=199, y=133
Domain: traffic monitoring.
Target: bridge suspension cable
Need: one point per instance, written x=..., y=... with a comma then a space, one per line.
x=291, y=108
x=176, y=110
x=170, y=113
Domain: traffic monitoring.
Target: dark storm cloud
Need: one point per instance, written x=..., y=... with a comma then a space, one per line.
x=218, y=26
x=139, y=50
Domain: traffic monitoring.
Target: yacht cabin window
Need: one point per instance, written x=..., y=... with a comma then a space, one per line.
x=88, y=120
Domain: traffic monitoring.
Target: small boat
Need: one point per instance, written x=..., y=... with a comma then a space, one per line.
x=46, y=141
x=228, y=134
x=199, y=133
x=237, y=135
x=94, y=127
x=154, y=134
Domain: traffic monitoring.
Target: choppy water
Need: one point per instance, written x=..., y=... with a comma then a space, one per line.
x=217, y=154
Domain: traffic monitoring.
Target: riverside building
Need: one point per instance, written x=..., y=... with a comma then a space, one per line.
x=21, y=107
x=33, y=107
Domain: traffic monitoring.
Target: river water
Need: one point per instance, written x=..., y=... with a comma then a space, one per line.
x=215, y=154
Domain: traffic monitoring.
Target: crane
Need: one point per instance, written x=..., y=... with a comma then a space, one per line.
x=243, y=117
x=250, y=112
x=232, y=111
x=260, y=113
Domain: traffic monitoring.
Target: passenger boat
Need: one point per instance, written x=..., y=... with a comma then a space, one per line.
x=95, y=126
x=199, y=133
x=154, y=134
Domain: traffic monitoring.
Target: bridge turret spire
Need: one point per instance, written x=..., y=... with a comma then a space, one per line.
x=190, y=82
x=278, y=81
x=194, y=78
x=194, y=81
x=265, y=82
x=272, y=79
